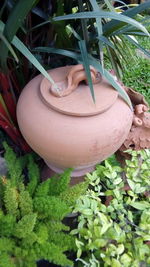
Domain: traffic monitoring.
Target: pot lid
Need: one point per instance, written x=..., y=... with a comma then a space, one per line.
x=73, y=96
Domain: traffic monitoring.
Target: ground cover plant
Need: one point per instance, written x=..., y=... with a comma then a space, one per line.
x=114, y=215
x=33, y=34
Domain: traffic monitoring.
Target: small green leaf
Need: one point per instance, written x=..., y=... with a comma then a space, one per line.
x=120, y=249
x=117, y=181
x=115, y=263
x=141, y=205
x=87, y=212
x=131, y=184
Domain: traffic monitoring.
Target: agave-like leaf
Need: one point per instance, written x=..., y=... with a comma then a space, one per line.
x=106, y=41
x=103, y=14
x=114, y=25
x=99, y=29
x=92, y=61
x=10, y=48
x=70, y=29
x=14, y=21
x=85, y=60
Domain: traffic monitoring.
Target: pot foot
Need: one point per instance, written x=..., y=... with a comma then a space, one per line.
x=75, y=172
x=48, y=173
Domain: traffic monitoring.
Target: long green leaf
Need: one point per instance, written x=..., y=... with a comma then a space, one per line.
x=9, y=46
x=14, y=21
x=85, y=60
x=114, y=25
x=24, y=50
x=103, y=14
x=106, y=41
x=112, y=81
x=99, y=29
x=92, y=62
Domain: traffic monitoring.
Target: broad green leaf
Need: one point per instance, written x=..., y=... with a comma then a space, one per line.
x=141, y=205
x=103, y=14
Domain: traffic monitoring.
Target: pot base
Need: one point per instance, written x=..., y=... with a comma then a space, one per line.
x=75, y=172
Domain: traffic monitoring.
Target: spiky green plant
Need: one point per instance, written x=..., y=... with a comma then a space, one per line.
x=31, y=215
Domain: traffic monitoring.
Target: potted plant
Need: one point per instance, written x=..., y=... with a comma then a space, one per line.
x=104, y=34
x=81, y=143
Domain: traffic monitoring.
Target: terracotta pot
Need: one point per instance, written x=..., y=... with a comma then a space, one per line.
x=65, y=127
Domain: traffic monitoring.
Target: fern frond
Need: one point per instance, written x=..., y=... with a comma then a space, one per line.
x=6, y=260
x=25, y=226
x=34, y=176
x=25, y=203
x=7, y=223
x=13, y=164
x=60, y=184
x=43, y=188
x=11, y=199
x=51, y=207
x=51, y=252
x=73, y=193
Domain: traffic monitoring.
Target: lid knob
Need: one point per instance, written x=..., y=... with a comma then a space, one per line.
x=75, y=75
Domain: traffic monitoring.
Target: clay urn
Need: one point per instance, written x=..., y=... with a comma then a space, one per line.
x=63, y=124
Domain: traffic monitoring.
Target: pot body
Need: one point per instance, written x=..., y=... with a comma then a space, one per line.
x=70, y=141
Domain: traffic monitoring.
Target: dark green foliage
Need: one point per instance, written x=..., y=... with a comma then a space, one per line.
x=31, y=215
